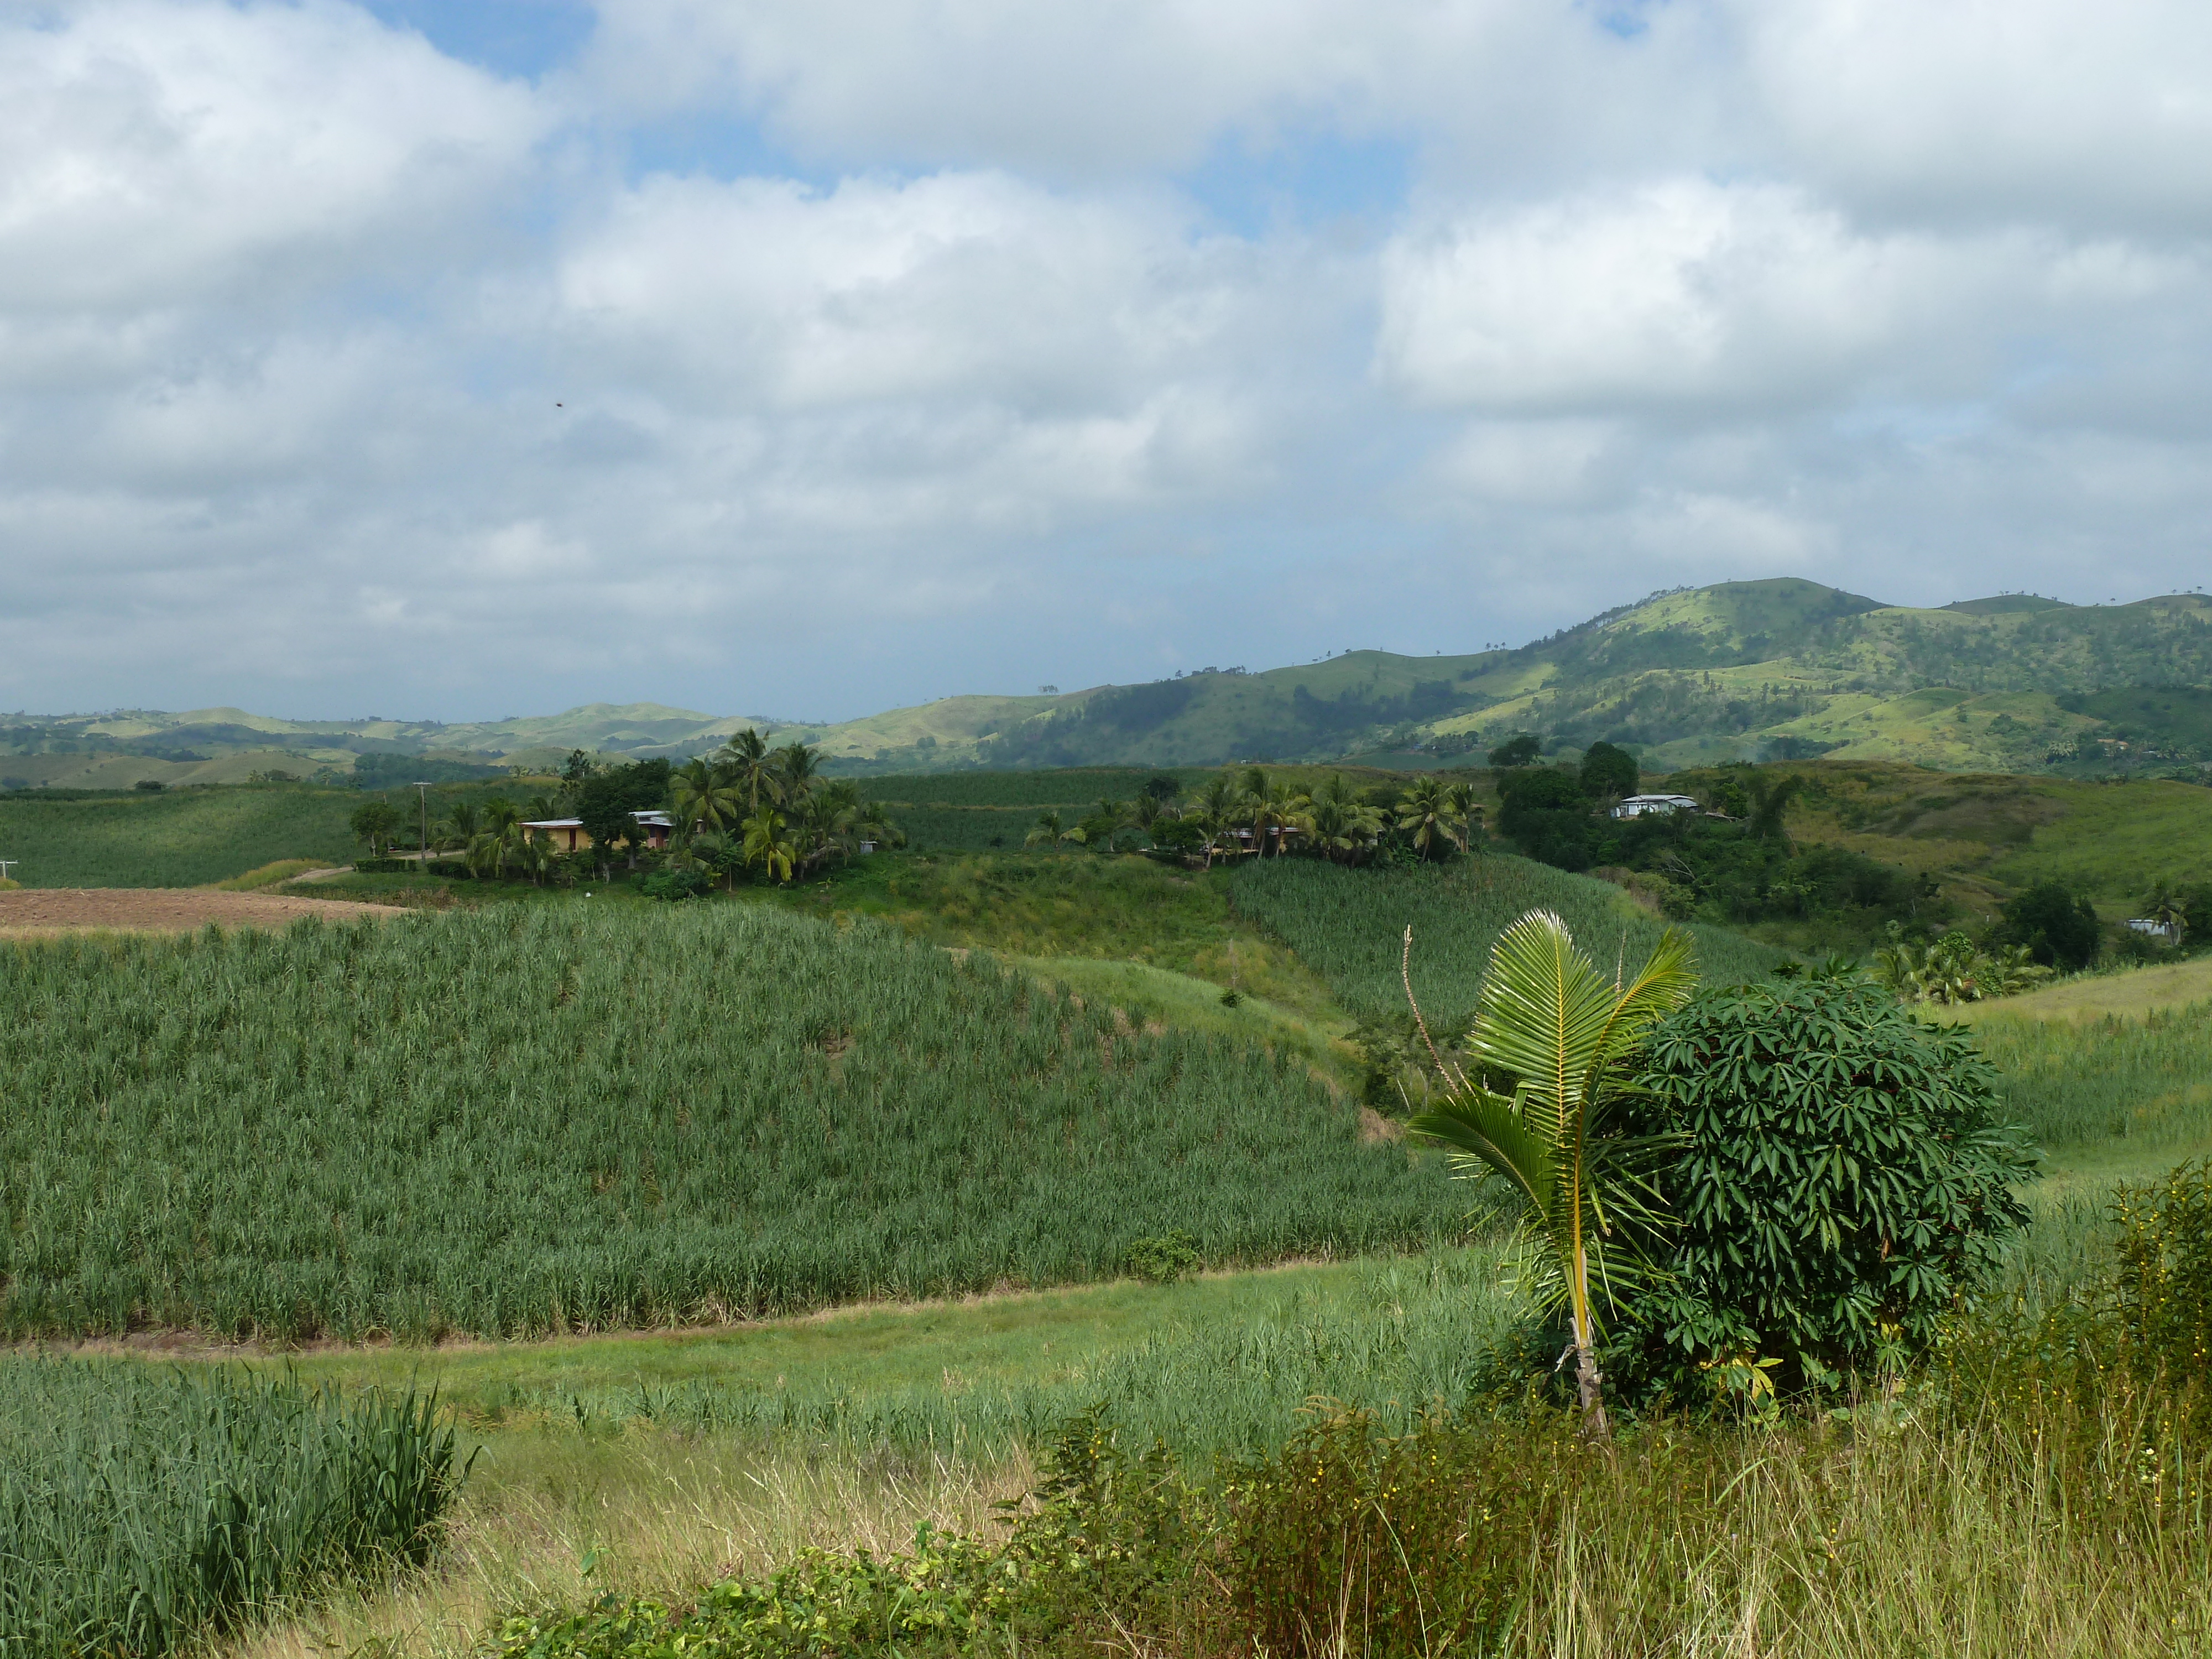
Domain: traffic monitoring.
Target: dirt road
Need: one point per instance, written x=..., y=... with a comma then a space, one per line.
x=36, y=912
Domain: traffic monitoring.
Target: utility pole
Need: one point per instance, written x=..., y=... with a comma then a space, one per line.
x=423, y=794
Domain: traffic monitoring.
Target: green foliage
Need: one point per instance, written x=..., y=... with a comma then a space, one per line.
x=1164, y=1259
x=1561, y=1038
x=2163, y=1288
x=674, y=885
x=1846, y=1180
x=1608, y=769
x=521, y=1120
x=1523, y=749
x=1348, y=925
x=141, y=1507
x=1953, y=969
x=1104, y=1532
x=2058, y=928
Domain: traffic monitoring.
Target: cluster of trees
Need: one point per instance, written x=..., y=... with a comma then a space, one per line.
x=1256, y=815
x=1733, y=861
x=746, y=807
x=749, y=808
x=1745, y=1192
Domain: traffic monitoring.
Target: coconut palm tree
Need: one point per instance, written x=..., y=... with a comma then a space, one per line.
x=1045, y=833
x=745, y=758
x=2168, y=908
x=765, y=845
x=1271, y=810
x=460, y=829
x=705, y=797
x=1431, y=808
x=796, y=769
x=1565, y=1035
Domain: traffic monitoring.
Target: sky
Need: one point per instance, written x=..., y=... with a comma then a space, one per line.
x=459, y=359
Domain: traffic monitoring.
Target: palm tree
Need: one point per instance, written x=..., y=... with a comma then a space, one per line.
x=1046, y=832
x=826, y=821
x=1271, y=810
x=717, y=852
x=705, y=797
x=876, y=825
x=1565, y=1035
x=2168, y=908
x=745, y=758
x=797, y=768
x=766, y=844
x=462, y=820
x=1431, y=809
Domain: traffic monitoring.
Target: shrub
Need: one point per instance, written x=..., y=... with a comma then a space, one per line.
x=1165, y=1259
x=674, y=884
x=2058, y=929
x=2164, y=1287
x=1844, y=1181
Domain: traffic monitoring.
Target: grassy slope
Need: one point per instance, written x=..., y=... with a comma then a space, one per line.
x=178, y=840
x=1984, y=836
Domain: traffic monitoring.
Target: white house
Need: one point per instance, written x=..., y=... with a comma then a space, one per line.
x=2156, y=929
x=1635, y=806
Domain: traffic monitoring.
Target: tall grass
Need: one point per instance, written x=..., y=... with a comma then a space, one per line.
x=1348, y=925
x=140, y=1508
x=1408, y=1336
x=2140, y=1088
x=511, y=1121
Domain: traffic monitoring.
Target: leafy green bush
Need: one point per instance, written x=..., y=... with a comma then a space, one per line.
x=1844, y=1181
x=141, y=1508
x=674, y=885
x=1164, y=1259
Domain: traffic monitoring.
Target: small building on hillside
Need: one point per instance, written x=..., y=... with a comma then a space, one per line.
x=567, y=834
x=1635, y=806
x=2150, y=926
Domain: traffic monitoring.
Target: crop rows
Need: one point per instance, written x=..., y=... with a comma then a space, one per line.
x=140, y=1508
x=1349, y=925
x=509, y=1122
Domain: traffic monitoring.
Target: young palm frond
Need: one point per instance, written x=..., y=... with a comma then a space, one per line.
x=1564, y=1035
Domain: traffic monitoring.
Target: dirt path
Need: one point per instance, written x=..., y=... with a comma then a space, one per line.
x=47, y=912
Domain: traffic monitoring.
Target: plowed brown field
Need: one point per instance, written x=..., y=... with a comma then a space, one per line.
x=35, y=912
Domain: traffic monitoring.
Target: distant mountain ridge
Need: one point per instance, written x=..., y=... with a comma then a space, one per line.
x=1736, y=670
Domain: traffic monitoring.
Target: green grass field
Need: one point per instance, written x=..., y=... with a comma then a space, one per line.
x=185, y=839
x=523, y=1119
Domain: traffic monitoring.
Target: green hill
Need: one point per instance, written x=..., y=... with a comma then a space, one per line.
x=1780, y=668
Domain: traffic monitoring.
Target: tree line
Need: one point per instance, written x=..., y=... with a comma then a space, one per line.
x=1254, y=814
x=746, y=809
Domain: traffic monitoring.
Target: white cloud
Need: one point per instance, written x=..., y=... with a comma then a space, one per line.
x=1680, y=292
x=158, y=154
x=328, y=360
x=2046, y=112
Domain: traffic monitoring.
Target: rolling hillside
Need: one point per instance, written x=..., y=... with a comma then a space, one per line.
x=1780, y=668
